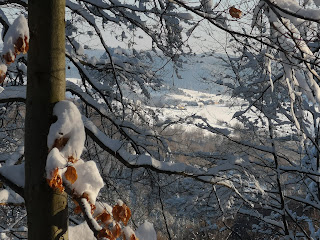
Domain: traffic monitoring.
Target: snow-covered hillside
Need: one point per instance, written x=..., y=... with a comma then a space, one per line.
x=187, y=89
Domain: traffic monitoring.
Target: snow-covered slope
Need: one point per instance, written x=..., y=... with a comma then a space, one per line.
x=187, y=91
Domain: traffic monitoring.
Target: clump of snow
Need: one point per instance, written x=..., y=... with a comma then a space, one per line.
x=9, y=196
x=101, y=207
x=4, y=236
x=69, y=126
x=120, y=202
x=146, y=232
x=89, y=180
x=81, y=231
x=54, y=160
x=18, y=29
x=207, y=5
x=14, y=173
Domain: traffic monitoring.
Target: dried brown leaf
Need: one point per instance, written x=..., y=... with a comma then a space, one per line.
x=104, y=217
x=21, y=45
x=9, y=57
x=133, y=237
x=122, y=213
x=116, y=231
x=105, y=233
x=56, y=181
x=77, y=210
x=235, y=13
x=71, y=174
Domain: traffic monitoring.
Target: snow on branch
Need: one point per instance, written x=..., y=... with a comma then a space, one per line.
x=16, y=41
x=12, y=177
x=10, y=197
x=122, y=126
x=116, y=149
x=293, y=9
x=13, y=94
x=5, y=23
x=23, y=3
x=259, y=216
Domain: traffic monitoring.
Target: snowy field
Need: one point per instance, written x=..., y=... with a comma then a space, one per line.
x=179, y=103
x=186, y=92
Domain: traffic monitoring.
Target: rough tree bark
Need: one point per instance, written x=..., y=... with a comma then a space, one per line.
x=47, y=209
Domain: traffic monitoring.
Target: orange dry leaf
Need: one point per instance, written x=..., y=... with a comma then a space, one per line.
x=56, y=181
x=21, y=45
x=71, y=174
x=9, y=57
x=116, y=231
x=104, y=217
x=133, y=237
x=234, y=12
x=122, y=213
x=105, y=233
x=26, y=41
x=77, y=210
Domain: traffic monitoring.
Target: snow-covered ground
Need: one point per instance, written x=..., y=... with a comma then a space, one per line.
x=186, y=92
x=181, y=102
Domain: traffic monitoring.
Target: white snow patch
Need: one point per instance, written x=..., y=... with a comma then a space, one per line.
x=120, y=202
x=146, y=232
x=89, y=180
x=81, y=231
x=54, y=160
x=4, y=236
x=19, y=28
x=69, y=125
x=9, y=196
x=14, y=173
x=101, y=206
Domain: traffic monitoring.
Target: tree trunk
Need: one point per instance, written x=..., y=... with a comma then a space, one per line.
x=46, y=208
